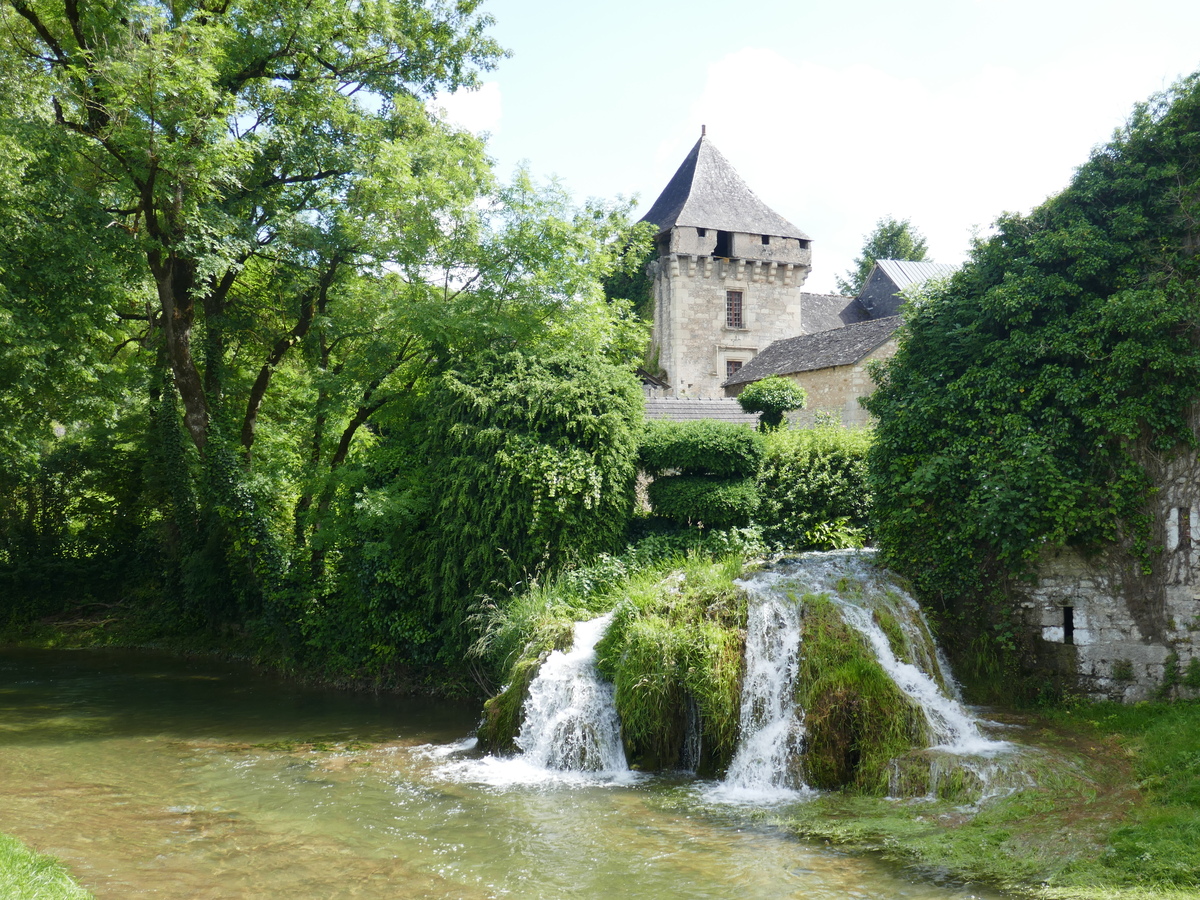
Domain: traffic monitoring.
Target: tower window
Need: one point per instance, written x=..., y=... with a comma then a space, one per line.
x=766, y=239
x=732, y=367
x=702, y=232
x=733, y=309
x=1068, y=624
x=804, y=245
x=724, y=244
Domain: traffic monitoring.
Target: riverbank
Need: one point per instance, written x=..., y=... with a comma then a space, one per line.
x=127, y=627
x=1112, y=812
x=27, y=875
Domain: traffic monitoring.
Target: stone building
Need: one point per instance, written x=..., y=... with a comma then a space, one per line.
x=831, y=366
x=1114, y=625
x=882, y=293
x=727, y=276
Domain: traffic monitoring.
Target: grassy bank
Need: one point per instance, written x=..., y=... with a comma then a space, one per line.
x=1112, y=812
x=25, y=875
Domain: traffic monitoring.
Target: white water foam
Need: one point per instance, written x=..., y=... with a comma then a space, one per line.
x=952, y=727
x=571, y=733
x=771, y=728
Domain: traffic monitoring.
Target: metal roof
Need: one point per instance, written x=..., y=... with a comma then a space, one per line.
x=904, y=272
x=705, y=192
x=808, y=352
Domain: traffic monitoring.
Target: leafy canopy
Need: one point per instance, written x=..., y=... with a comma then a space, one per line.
x=1032, y=388
x=772, y=397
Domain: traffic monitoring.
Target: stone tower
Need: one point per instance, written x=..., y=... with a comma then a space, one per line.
x=727, y=276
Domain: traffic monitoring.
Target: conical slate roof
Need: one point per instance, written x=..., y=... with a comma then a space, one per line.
x=705, y=192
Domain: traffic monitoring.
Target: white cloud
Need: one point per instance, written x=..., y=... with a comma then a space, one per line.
x=836, y=148
x=478, y=110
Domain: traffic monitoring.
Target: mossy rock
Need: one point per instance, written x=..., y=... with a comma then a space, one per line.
x=856, y=719
x=678, y=645
x=502, y=714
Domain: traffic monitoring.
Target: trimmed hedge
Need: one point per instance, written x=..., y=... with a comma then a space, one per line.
x=698, y=448
x=810, y=478
x=695, y=499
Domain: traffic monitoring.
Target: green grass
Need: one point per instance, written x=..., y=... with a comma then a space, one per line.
x=25, y=875
x=1113, y=812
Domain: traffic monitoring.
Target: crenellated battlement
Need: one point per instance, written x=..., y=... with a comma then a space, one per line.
x=754, y=271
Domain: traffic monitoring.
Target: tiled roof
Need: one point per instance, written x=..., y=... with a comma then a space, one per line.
x=706, y=192
x=821, y=312
x=808, y=352
x=681, y=410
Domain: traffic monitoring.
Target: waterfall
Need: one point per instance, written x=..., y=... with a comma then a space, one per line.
x=769, y=754
x=951, y=725
x=771, y=727
x=571, y=721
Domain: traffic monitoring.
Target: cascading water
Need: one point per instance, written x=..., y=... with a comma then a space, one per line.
x=771, y=726
x=951, y=726
x=772, y=730
x=571, y=720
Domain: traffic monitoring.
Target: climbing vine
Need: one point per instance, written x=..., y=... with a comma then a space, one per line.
x=1029, y=389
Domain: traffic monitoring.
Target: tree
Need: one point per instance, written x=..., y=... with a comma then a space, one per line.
x=772, y=397
x=250, y=166
x=891, y=239
x=228, y=141
x=1037, y=394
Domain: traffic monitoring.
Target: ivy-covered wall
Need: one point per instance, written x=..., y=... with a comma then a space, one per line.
x=1040, y=406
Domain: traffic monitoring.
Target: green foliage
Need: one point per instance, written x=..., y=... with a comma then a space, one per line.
x=702, y=447
x=891, y=239
x=25, y=875
x=1030, y=390
x=856, y=719
x=814, y=490
x=678, y=642
x=704, y=500
x=527, y=465
x=630, y=280
x=1191, y=678
x=715, y=462
x=772, y=397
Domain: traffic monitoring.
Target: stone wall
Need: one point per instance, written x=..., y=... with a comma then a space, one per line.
x=691, y=337
x=1115, y=625
x=836, y=390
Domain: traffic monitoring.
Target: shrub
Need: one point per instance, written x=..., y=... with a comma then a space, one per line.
x=1031, y=391
x=703, y=499
x=772, y=397
x=813, y=488
x=528, y=464
x=700, y=447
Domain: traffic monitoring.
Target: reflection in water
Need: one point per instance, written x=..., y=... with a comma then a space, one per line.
x=179, y=779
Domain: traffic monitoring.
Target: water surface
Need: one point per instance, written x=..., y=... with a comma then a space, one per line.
x=154, y=776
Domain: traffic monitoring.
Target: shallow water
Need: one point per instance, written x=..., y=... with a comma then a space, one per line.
x=153, y=776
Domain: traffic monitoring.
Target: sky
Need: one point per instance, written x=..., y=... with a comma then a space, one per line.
x=944, y=112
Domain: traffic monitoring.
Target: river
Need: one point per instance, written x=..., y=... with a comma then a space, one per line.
x=153, y=776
